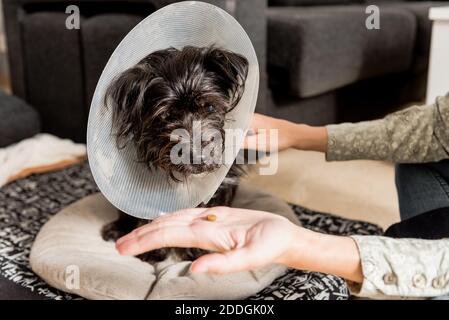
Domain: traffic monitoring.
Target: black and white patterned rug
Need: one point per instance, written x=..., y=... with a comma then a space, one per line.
x=26, y=204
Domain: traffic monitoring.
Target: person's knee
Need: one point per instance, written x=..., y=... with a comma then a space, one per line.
x=405, y=172
x=419, y=189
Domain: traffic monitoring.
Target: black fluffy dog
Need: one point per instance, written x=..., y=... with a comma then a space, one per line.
x=168, y=90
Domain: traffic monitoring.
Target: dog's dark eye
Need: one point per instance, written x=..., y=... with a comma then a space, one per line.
x=210, y=108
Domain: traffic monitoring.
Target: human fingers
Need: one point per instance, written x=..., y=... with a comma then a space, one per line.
x=255, y=142
x=181, y=217
x=173, y=236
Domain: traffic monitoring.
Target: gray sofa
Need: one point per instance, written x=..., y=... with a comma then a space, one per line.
x=325, y=66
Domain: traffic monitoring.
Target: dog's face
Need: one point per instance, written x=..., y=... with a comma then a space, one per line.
x=176, y=89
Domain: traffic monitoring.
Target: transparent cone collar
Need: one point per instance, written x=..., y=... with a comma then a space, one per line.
x=129, y=185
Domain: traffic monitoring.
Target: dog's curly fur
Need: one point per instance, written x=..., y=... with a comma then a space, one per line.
x=168, y=90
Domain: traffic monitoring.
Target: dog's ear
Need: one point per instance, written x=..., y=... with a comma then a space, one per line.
x=231, y=70
x=136, y=97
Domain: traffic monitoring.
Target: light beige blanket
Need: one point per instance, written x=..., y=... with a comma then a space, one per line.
x=41, y=153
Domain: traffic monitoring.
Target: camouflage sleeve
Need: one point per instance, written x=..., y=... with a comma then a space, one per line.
x=416, y=134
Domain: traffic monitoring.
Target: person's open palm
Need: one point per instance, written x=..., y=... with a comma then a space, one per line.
x=240, y=239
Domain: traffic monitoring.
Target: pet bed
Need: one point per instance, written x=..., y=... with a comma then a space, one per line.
x=26, y=204
x=72, y=238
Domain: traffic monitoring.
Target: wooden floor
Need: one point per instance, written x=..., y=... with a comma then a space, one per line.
x=362, y=190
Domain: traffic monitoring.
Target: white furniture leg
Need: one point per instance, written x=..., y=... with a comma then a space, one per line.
x=438, y=78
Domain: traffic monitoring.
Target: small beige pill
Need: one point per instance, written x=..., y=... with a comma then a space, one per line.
x=211, y=217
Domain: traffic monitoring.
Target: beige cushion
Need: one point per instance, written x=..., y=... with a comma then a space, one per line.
x=71, y=242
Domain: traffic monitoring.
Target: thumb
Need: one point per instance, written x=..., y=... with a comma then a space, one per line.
x=222, y=263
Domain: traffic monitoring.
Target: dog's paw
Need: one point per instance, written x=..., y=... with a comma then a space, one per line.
x=111, y=232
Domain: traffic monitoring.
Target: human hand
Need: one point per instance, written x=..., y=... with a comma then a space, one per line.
x=240, y=239
x=259, y=137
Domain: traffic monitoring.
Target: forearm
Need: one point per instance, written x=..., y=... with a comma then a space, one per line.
x=414, y=135
x=309, y=138
x=324, y=253
x=378, y=267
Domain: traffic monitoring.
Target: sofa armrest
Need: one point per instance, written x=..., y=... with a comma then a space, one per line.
x=18, y=120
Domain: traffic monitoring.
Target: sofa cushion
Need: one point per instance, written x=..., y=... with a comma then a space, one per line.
x=96, y=29
x=17, y=120
x=53, y=73
x=328, y=47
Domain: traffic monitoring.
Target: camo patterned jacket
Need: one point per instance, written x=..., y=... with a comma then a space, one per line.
x=399, y=267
